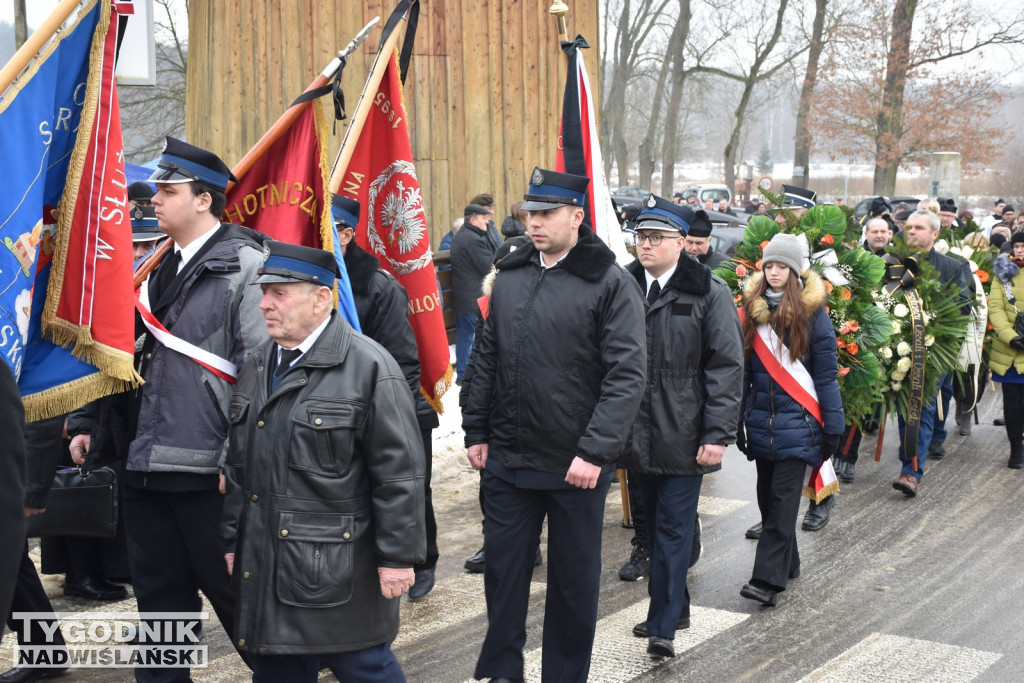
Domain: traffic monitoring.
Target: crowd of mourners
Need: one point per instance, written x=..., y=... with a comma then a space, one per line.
x=278, y=461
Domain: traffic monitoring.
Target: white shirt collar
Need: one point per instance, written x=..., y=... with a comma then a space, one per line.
x=194, y=246
x=663, y=280
x=308, y=342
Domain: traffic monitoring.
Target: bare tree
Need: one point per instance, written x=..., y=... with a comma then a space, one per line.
x=20, y=24
x=149, y=113
x=757, y=72
x=673, y=57
x=899, y=115
x=802, y=137
x=636, y=21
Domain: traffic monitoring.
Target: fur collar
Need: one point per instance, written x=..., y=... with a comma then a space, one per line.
x=814, y=296
x=691, y=276
x=361, y=265
x=588, y=259
x=1004, y=268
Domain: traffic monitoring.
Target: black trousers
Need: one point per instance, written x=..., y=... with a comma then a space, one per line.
x=432, y=553
x=671, y=502
x=637, y=511
x=1013, y=411
x=175, y=548
x=778, y=496
x=511, y=536
x=29, y=596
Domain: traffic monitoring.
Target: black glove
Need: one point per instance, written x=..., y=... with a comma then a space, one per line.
x=741, y=438
x=830, y=445
x=1017, y=343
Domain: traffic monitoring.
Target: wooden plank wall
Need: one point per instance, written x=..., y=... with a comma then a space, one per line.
x=483, y=93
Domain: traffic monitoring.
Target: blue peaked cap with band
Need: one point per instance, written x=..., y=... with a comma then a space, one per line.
x=284, y=262
x=345, y=211
x=798, y=197
x=550, y=190
x=185, y=163
x=658, y=213
x=144, y=224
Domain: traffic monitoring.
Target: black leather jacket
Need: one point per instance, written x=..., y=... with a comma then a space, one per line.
x=560, y=361
x=325, y=485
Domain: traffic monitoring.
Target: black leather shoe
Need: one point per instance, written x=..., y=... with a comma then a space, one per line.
x=424, y=584
x=640, y=630
x=475, y=563
x=660, y=647
x=845, y=471
x=817, y=515
x=937, y=453
x=754, y=532
x=91, y=589
x=999, y=422
x=765, y=596
x=25, y=674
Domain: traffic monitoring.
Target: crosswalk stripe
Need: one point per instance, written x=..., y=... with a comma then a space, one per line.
x=453, y=600
x=872, y=660
x=710, y=505
x=619, y=656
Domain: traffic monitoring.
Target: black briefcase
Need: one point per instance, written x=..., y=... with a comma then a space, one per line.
x=80, y=504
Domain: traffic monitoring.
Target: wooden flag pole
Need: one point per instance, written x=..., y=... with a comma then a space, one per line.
x=558, y=10
x=31, y=47
x=362, y=110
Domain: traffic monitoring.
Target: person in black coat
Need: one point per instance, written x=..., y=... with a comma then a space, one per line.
x=690, y=407
x=791, y=418
x=698, y=243
x=382, y=305
x=559, y=375
x=12, y=485
x=921, y=233
x=471, y=255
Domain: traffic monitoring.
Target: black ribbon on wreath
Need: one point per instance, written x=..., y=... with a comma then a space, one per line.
x=899, y=279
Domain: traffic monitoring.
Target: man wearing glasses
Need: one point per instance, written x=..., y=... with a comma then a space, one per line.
x=690, y=407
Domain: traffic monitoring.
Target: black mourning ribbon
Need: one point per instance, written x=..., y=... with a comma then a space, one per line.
x=899, y=278
x=899, y=273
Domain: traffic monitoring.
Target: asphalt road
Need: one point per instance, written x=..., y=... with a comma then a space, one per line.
x=893, y=589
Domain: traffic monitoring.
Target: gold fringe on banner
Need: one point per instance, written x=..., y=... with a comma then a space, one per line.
x=71, y=396
x=440, y=387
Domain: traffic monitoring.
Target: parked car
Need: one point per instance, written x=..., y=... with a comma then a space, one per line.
x=862, y=207
x=627, y=196
x=712, y=192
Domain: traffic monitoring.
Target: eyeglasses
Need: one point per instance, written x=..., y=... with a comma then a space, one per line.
x=654, y=239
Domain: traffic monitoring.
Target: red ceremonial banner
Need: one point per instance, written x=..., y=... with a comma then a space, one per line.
x=284, y=193
x=89, y=300
x=393, y=225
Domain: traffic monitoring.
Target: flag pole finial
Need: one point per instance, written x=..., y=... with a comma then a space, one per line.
x=558, y=10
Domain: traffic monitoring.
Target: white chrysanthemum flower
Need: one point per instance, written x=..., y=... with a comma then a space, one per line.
x=903, y=348
x=895, y=326
x=898, y=375
x=896, y=386
x=903, y=365
x=886, y=352
x=900, y=310
x=929, y=339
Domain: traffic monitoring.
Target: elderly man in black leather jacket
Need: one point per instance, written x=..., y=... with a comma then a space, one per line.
x=325, y=486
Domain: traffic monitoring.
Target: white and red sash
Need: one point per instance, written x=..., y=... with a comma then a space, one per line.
x=222, y=368
x=819, y=482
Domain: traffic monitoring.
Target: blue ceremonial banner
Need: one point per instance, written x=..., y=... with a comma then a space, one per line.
x=46, y=115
